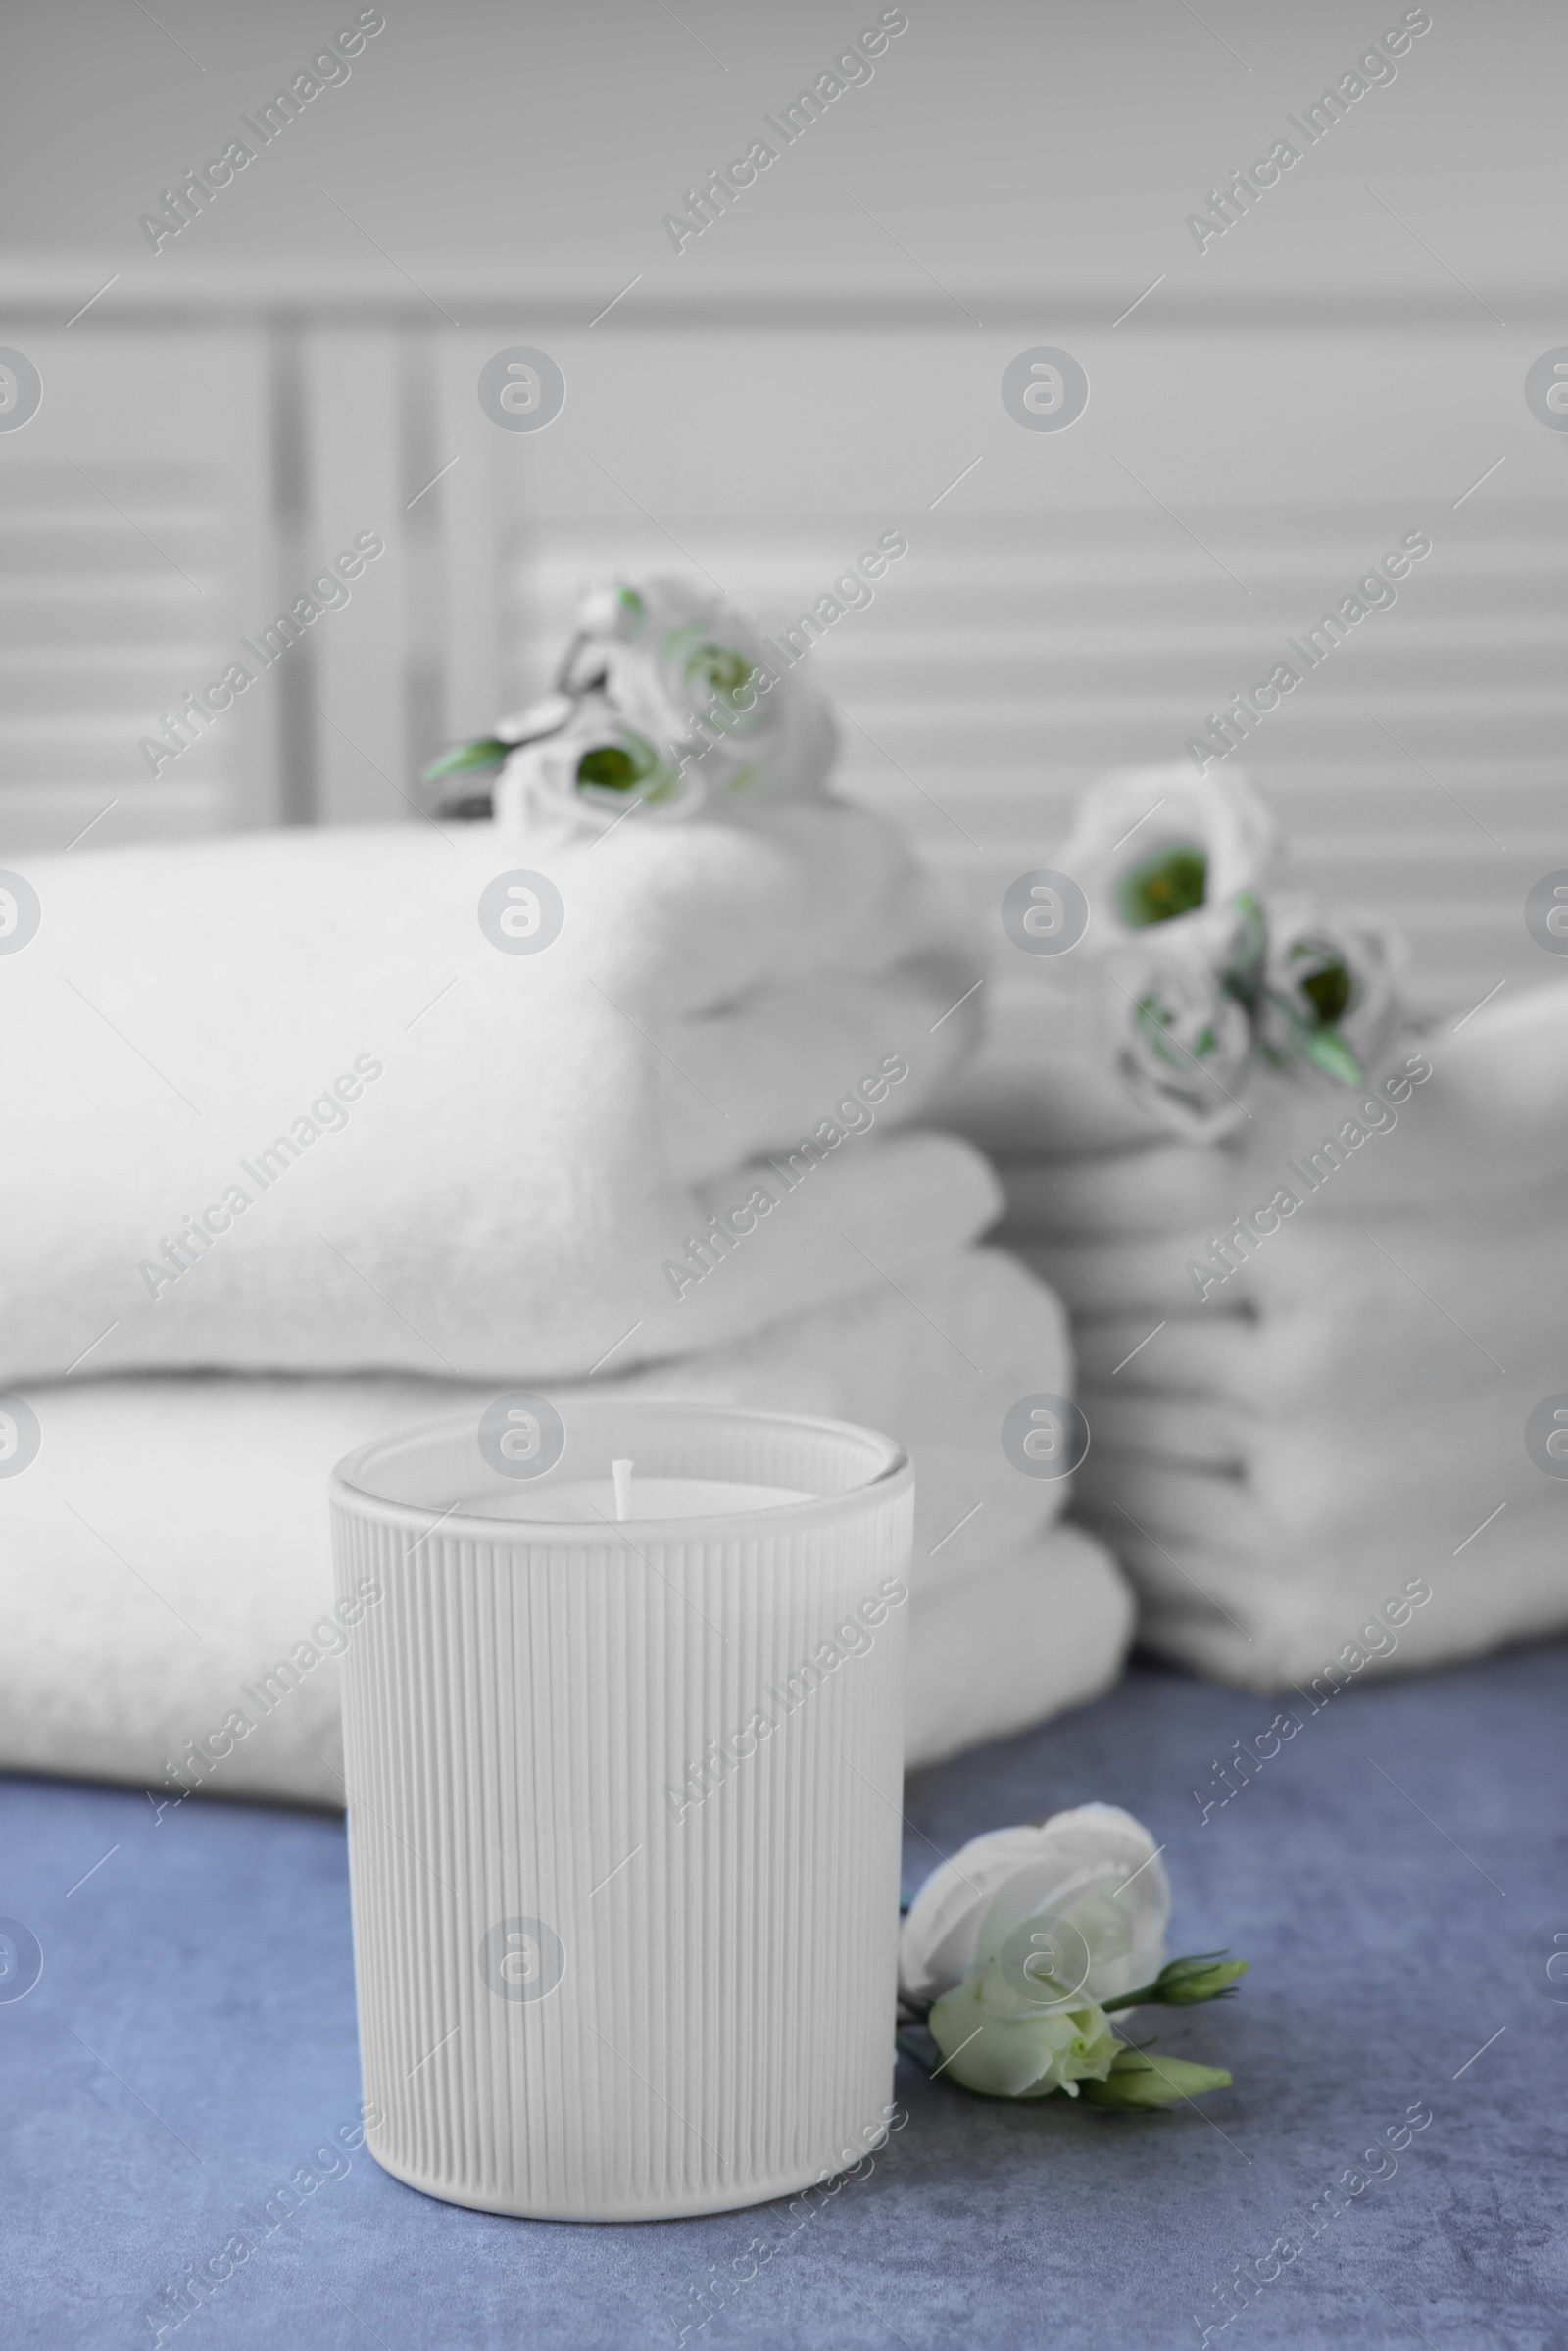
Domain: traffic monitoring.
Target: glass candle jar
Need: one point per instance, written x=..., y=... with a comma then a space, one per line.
x=624, y=1800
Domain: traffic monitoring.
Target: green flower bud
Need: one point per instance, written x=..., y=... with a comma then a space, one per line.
x=1185, y=1981
x=1326, y=995
x=1139, y=2083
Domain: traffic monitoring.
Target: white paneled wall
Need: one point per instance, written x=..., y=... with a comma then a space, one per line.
x=137, y=542
x=1067, y=603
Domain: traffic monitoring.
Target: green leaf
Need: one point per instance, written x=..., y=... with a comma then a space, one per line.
x=468, y=758
x=1139, y=2083
x=1325, y=1048
x=1329, y=1051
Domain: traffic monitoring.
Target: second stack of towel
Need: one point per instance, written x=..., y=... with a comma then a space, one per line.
x=1323, y=1365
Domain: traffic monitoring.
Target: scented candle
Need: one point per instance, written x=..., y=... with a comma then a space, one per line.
x=625, y=1801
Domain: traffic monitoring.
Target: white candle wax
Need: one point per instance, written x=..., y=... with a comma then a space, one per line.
x=574, y=1501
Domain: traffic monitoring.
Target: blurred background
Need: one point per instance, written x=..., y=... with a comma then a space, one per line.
x=1281, y=389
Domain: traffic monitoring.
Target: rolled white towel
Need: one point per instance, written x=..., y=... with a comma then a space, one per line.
x=287, y=1103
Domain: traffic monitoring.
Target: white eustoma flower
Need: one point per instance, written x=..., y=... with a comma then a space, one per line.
x=545, y=716
x=1179, y=1039
x=1081, y=1898
x=686, y=671
x=1152, y=847
x=585, y=775
x=1008, y=2046
x=666, y=697
x=1328, y=992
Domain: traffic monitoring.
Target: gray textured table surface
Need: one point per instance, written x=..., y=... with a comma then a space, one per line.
x=191, y=2045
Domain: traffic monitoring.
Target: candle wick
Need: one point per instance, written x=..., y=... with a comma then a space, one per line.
x=621, y=1471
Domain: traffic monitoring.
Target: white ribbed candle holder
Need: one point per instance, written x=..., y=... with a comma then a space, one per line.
x=624, y=1807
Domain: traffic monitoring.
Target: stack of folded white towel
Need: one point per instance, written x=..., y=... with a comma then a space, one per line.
x=321, y=1134
x=1322, y=1360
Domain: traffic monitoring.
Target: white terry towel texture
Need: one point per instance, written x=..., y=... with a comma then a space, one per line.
x=1268, y=1474
x=412, y=1149
x=1347, y=1411
x=1045, y=1627
x=1319, y=1272
x=170, y=1542
x=1493, y=1118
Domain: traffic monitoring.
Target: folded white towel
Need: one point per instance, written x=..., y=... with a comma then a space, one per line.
x=938, y=1362
x=1086, y=1164
x=1269, y=1474
x=169, y=1545
x=1347, y=1409
x=406, y=1146
x=1055, y=1102
x=1045, y=1626
x=1272, y=1611
x=1370, y=1346
x=1269, y=1480
x=1397, y=1276
x=1329, y=1482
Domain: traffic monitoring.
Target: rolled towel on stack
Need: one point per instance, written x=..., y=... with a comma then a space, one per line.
x=165, y=1564
x=295, y=1102
x=1303, y=1414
